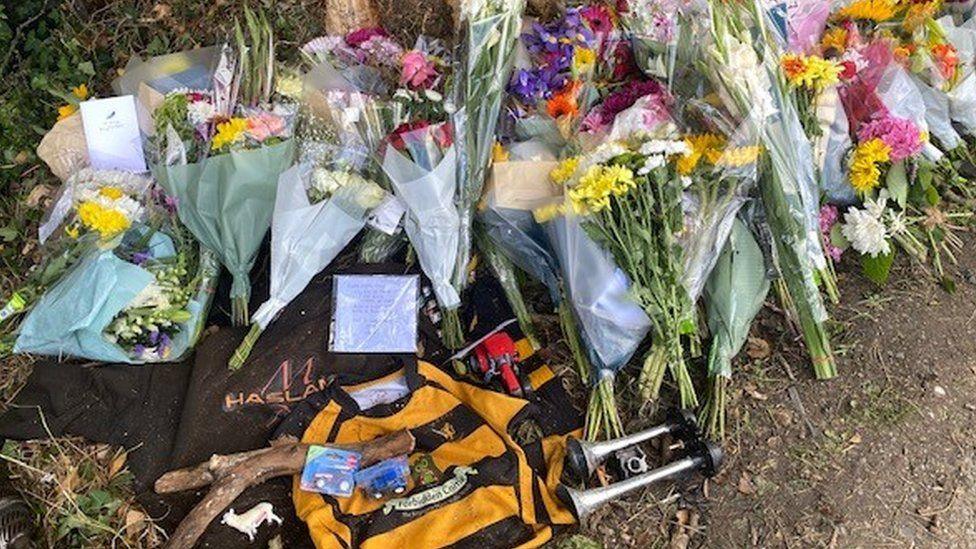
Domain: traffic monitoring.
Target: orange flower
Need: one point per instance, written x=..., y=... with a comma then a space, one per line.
x=793, y=66
x=564, y=103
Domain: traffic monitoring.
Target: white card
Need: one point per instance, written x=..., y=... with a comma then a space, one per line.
x=374, y=314
x=386, y=217
x=112, y=134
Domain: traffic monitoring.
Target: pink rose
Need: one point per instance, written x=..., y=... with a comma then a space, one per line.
x=264, y=125
x=417, y=71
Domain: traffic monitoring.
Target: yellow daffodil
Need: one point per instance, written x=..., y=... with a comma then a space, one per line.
x=707, y=145
x=81, y=93
x=228, y=133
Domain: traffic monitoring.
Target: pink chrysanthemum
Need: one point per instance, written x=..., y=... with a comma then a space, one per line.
x=901, y=134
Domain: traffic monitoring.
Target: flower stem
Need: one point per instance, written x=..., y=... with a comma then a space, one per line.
x=244, y=349
x=452, y=333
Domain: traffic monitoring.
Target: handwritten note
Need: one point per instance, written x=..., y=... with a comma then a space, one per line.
x=374, y=314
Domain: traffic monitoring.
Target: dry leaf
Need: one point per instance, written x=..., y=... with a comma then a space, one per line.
x=745, y=485
x=134, y=522
x=751, y=390
x=162, y=11
x=71, y=480
x=117, y=464
x=38, y=194
x=757, y=348
x=855, y=439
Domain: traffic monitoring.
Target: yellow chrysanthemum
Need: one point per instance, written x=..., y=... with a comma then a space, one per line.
x=865, y=174
x=598, y=185
x=707, y=145
x=583, y=60
x=920, y=12
x=228, y=133
x=565, y=170
x=548, y=213
x=110, y=192
x=870, y=10
x=735, y=157
x=72, y=231
x=811, y=72
x=834, y=39
x=498, y=153
x=106, y=221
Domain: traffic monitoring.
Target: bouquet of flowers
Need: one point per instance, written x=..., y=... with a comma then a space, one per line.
x=611, y=325
x=749, y=81
x=321, y=206
x=420, y=161
x=367, y=85
x=220, y=151
x=629, y=200
x=93, y=211
x=734, y=294
x=142, y=299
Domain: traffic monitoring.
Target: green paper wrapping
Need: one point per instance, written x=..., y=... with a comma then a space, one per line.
x=227, y=202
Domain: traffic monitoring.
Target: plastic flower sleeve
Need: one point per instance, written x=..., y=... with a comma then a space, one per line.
x=227, y=202
x=706, y=231
x=937, y=115
x=71, y=318
x=490, y=30
x=431, y=220
x=305, y=237
x=612, y=324
x=832, y=148
x=86, y=183
x=516, y=189
x=903, y=99
x=734, y=294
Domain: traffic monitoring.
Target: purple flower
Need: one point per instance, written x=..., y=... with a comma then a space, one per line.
x=140, y=258
x=154, y=337
x=138, y=350
x=164, y=345
x=526, y=85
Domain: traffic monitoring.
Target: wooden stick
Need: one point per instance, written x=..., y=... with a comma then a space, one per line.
x=232, y=474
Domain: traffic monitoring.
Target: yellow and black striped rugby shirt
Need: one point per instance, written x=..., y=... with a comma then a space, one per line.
x=473, y=485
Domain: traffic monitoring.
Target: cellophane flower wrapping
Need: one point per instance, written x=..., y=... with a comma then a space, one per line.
x=422, y=167
x=490, y=31
x=747, y=78
x=144, y=299
x=962, y=97
x=220, y=157
x=611, y=324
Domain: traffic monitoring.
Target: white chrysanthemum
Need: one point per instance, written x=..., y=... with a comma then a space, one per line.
x=200, y=112
x=601, y=155
x=866, y=233
x=153, y=296
x=326, y=182
x=667, y=147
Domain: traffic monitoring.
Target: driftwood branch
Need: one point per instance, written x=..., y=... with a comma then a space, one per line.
x=232, y=474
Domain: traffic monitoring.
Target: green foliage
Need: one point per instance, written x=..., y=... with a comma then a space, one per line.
x=878, y=268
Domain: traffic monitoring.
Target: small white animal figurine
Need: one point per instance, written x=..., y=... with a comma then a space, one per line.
x=247, y=523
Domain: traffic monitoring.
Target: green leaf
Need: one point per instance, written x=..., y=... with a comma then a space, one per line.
x=948, y=284
x=932, y=196
x=878, y=268
x=837, y=238
x=9, y=233
x=898, y=184
x=86, y=67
